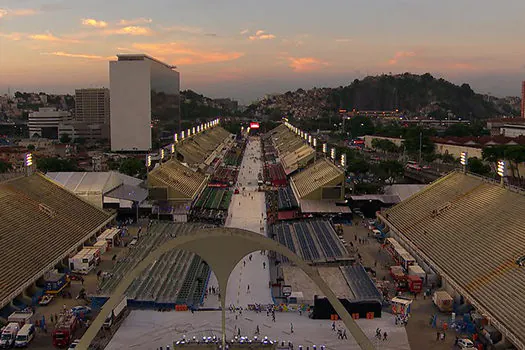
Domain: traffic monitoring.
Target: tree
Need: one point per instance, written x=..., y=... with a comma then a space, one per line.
x=476, y=165
x=384, y=145
x=64, y=138
x=447, y=158
x=31, y=147
x=132, y=167
x=358, y=165
x=388, y=171
x=5, y=166
x=55, y=164
x=80, y=141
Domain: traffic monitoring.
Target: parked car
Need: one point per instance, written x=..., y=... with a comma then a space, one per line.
x=465, y=344
x=78, y=310
x=74, y=344
x=45, y=300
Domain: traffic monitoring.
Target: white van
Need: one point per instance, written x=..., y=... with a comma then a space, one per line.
x=7, y=339
x=25, y=335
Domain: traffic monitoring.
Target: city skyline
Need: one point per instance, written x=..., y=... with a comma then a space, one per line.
x=247, y=49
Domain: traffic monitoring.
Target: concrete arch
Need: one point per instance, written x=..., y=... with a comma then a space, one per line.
x=222, y=249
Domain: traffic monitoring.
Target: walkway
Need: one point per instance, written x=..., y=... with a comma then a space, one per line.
x=248, y=211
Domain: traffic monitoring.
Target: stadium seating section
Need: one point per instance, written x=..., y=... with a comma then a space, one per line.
x=472, y=231
x=313, y=240
x=178, y=277
x=360, y=283
x=286, y=199
x=196, y=149
x=317, y=175
x=181, y=181
x=40, y=223
x=292, y=149
x=225, y=176
x=274, y=174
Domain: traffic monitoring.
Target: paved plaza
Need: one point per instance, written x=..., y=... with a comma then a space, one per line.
x=151, y=329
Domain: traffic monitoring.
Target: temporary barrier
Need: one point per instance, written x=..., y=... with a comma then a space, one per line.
x=369, y=315
x=355, y=316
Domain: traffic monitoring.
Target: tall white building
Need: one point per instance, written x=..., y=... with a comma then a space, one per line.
x=46, y=121
x=143, y=91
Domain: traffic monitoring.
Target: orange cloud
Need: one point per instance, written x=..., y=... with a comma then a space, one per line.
x=134, y=22
x=78, y=55
x=51, y=38
x=261, y=35
x=244, y=31
x=179, y=54
x=399, y=55
x=131, y=30
x=5, y=12
x=306, y=64
x=90, y=22
x=184, y=29
x=11, y=36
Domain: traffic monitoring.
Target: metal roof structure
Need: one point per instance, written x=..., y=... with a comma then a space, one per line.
x=40, y=224
x=83, y=183
x=129, y=193
x=316, y=176
x=471, y=232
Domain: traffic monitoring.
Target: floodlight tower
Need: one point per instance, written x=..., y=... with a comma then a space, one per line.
x=464, y=161
x=502, y=171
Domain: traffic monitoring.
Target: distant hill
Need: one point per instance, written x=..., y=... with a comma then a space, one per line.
x=415, y=95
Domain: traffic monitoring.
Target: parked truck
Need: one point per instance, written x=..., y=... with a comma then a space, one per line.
x=21, y=317
x=65, y=329
x=8, y=336
x=443, y=301
x=116, y=313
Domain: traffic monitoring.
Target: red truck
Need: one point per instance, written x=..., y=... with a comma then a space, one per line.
x=65, y=329
x=410, y=283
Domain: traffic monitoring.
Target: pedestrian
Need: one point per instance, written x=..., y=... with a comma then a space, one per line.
x=344, y=334
x=264, y=265
x=291, y=327
x=250, y=257
x=339, y=334
x=244, y=261
x=248, y=289
x=437, y=335
x=333, y=326
x=257, y=330
x=385, y=335
x=273, y=317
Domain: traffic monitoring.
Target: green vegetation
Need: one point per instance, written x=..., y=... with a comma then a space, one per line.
x=5, y=166
x=476, y=165
x=388, y=171
x=384, y=145
x=55, y=164
x=132, y=167
x=412, y=93
x=64, y=138
x=514, y=154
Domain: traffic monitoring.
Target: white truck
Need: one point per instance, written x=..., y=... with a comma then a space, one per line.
x=21, y=317
x=85, y=260
x=115, y=313
x=8, y=336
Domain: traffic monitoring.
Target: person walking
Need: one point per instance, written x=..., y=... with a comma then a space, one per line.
x=344, y=334
x=264, y=265
x=291, y=327
x=257, y=330
x=333, y=327
x=385, y=335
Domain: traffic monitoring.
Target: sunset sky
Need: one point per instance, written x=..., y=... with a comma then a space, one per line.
x=247, y=48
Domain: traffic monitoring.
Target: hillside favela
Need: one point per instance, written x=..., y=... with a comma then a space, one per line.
x=334, y=175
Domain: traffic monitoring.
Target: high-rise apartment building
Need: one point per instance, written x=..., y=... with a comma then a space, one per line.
x=523, y=99
x=45, y=123
x=92, y=106
x=144, y=93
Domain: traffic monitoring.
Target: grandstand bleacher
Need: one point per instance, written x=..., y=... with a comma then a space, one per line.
x=197, y=149
x=286, y=199
x=313, y=240
x=360, y=283
x=181, y=182
x=178, y=277
x=310, y=182
x=224, y=176
x=274, y=174
x=293, y=152
x=470, y=231
x=41, y=224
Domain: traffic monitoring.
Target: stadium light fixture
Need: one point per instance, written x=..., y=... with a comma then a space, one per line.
x=148, y=160
x=464, y=158
x=310, y=139
x=189, y=132
x=182, y=135
x=172, y=148
x=502, y=168
x=325, y=148
x=198, y=128
x=162, y=153
x=343, y=160
x=332, y=153
x=315, y=142
x=176, y=137
x=305, y=136
x=193, y=131
x=29, y=159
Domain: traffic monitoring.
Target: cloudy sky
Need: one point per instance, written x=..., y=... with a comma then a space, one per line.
x=246, y=48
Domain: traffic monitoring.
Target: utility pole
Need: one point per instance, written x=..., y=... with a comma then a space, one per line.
x=420, y=145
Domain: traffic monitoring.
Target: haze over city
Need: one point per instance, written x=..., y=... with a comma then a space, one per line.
x=245, y=49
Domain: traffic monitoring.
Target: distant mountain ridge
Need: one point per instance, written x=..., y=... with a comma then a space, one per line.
x=415, y=95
